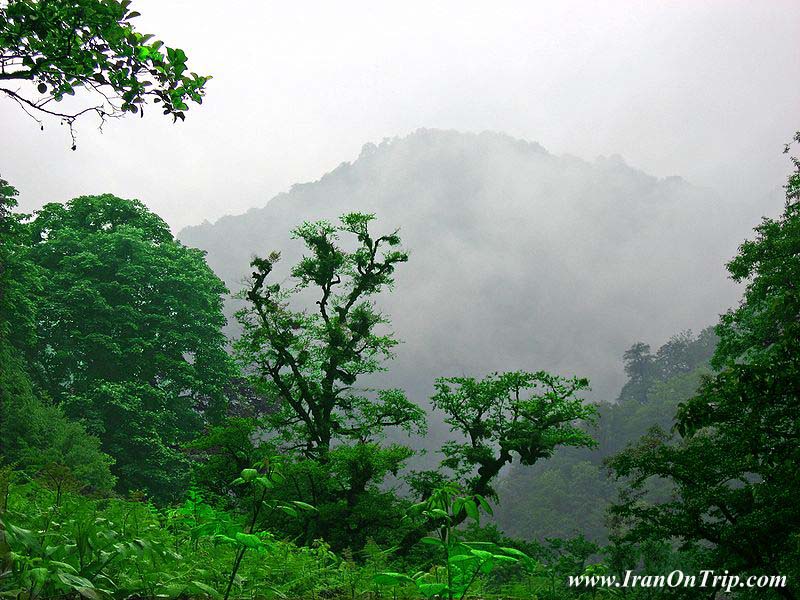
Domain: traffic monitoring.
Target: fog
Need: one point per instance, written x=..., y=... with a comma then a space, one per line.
x=519, y=259
x=705, y=90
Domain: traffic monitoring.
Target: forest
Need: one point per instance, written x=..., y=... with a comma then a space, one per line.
x=146, y=451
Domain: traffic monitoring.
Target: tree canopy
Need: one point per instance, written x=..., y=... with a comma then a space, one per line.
x=53, y=49
x=311, y=360
x=510, y=415
x=734, y=462
x=129, y=339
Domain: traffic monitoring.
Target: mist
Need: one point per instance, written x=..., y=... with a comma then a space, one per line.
x=557, y=344
x=703, y=90
x=519, y=259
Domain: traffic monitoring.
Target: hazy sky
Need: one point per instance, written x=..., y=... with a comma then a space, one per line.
x=707, y=90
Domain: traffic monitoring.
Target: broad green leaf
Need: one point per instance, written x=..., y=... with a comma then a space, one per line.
x=265, y=482
x=248, y=474
x=482, y=554
x=504, y=558
x=484, y=504
x=249, y=540
x=461, y=558
x=517, y=553
x=472, y=510
x=203, y=587
x=429, y=590
x=432, y=540
x=74, y=581
x=390, y=578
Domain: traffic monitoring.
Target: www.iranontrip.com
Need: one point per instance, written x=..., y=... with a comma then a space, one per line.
x=679, y=579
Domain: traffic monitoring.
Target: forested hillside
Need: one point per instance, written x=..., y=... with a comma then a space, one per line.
x=141, y=459
x=519, y=258
x=458, y=368
x=569, y=495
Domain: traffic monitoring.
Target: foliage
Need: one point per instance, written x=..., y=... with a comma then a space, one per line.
x=263, y=478
x=521, y=414
x=121, y=549
x=18, y=275
x=310, y=362
x=464, y=562
x=91, y=46
x=734, y=462
x=34, y=433
x=568, y=494
x=680, y=355
x=220, y=454
x=128, y=334
x=123, y=333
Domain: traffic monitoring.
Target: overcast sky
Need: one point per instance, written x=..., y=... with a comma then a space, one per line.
x=706, y=90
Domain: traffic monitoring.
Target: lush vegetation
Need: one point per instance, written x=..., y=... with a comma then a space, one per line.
x=141, y=459
x=145, y=455
x=570, y=494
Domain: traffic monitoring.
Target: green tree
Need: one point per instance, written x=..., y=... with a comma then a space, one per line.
x=734, y=464
x=639, y=368
x=33, y=432
x=36, y=434
x=570, y=492
x=510, y=415
x=310, y=362
x=18, y=275
x=220, y=454
x=50, y=49
x=129, y=334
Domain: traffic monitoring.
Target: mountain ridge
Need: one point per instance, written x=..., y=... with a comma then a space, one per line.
x=368, y=149
x=520, y=259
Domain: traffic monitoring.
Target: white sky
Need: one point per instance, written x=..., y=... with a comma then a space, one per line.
x=709, y=90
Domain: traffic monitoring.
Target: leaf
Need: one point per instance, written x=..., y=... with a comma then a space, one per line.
x=224, y=539
x=206, y=588
x=25, y=536
x=472, y=510
x=432, y=540
x=249, y=540
x=482, y=554
x=390, y=578
x=65, y=566
x=248, y=474
x=484, y=504
x=429, y=590
x=458, y=504
x=438, y=512
x=38, y=576
x=461, y=558
x=504, y=558
x=304, y=506
x=74, y=581
x=517, y=553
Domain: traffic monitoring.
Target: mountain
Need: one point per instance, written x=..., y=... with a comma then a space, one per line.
x=520, y=259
